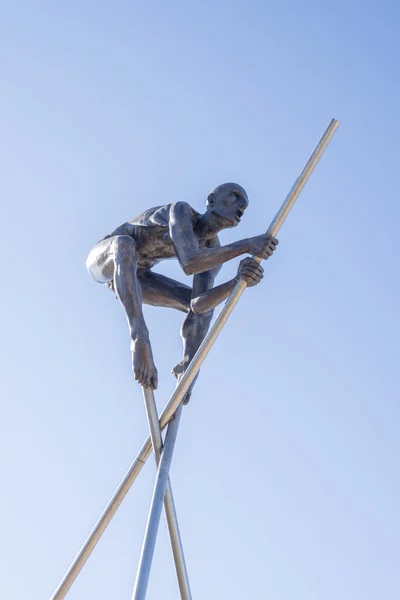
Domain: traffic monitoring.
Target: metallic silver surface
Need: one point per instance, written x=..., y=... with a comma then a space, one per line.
x=238, y=290
x=143, y=572
x=103, y=521
x=303, y=177
x=187, y=379
x=169, y=505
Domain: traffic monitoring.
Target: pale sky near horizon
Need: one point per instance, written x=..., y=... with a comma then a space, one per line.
x=286, y=470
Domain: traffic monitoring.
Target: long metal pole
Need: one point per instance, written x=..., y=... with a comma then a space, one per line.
x=187, y=378
x=146, y=557
x=143, y=572
x=238, y=290
x=170, y=511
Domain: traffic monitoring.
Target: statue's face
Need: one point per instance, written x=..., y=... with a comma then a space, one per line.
x=228, y=201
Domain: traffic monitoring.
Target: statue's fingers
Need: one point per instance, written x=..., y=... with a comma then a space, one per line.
x=142, y=379
x=256, y=269
x=246, y=262
x=251, y=277
x=258, y=277
x=254, y=264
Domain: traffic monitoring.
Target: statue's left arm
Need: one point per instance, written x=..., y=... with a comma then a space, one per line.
x=195, y=326
x=204, y=299
x=249, y=270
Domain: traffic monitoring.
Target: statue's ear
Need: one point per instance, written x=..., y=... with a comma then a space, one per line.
x=210, y=199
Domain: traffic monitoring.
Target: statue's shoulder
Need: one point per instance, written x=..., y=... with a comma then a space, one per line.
x=159, y=216
x=182, y=210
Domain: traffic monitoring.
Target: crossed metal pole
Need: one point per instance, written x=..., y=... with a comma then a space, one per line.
x=170, y=416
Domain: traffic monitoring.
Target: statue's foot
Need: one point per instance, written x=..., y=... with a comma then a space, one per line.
x=188, y=395
x=143, y=364
x=179, y=371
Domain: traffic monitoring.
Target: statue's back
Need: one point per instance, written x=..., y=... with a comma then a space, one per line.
x=153, y=217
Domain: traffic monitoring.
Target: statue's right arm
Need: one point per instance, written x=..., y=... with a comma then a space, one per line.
x=211, y=298
x=193, y=259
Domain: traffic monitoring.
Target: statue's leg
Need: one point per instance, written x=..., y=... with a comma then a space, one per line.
x=115, y=259
x=159, y=290
x=193, y=331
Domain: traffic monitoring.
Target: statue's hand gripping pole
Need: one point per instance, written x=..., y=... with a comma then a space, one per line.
x=188, y=377
x=241, y=285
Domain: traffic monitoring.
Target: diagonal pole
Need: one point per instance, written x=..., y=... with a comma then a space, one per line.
x=187, y=378
x=170, y=512
x=143, y=573
x=149, y=542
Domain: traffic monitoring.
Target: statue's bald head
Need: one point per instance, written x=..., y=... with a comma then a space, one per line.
x=227, y=188
x=229, y=201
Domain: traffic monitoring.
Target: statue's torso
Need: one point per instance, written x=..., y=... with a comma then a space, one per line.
x=150, y=230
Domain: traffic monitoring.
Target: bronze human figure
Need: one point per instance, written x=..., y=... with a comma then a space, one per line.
x=124, y=259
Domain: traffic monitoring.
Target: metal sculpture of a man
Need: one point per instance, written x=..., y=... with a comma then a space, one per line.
x=124, y=259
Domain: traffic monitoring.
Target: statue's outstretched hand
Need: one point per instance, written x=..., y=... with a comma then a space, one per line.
x=263, y=245
x=250, y=271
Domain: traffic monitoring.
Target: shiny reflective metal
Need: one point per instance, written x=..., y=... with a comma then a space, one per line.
x=149, y=543
x=189, y=375
x=169, y=505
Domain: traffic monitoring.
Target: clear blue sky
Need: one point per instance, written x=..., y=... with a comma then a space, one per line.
x=286, y=473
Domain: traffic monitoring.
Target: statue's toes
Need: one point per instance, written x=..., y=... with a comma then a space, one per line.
x=178, y=370
x=187, y=397
x=153, y=380
x=138, y=375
